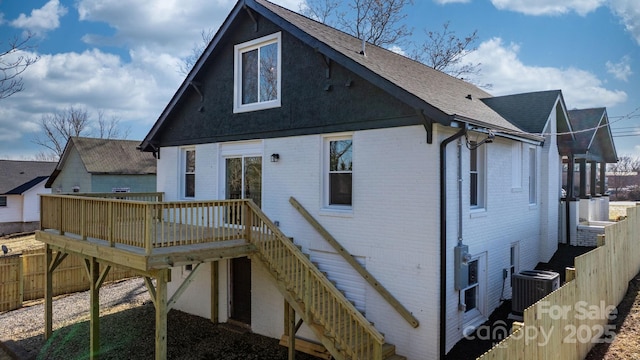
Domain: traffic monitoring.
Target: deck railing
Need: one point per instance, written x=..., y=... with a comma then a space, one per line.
x=324, y=303
x=142, y=224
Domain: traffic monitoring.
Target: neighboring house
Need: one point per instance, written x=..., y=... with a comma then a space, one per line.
x=20, y=184
x=103, y=166
x=436, y=187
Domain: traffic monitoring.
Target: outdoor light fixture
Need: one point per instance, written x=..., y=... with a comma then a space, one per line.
x=275, y=157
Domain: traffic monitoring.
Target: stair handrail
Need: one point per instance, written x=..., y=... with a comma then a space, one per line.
x=356, y=315
x=401, y=309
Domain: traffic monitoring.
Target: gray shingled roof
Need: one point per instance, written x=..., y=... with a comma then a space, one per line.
x=110, y=156
x=444, y=92
x=17, y=177
x=528, y=111
x=593, y=135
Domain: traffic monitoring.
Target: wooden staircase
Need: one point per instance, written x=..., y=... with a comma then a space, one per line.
x=341, y=328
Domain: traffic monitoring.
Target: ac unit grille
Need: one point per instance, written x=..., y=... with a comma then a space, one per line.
x=530, y=286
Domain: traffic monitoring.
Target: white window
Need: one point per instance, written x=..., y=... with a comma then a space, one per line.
x=3, y=201
x=477, y=169
x=516, y=165
x=257, y=74
x=339, y=169
x=533, y=179
x=188, y=167
x=473, y=297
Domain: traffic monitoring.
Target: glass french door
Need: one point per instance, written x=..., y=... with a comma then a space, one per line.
x=243, y=180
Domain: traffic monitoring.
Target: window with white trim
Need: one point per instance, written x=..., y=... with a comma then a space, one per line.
x=188, y=166
x=477, y=175
x=3, y=201
x=470, y=297
x=516, y=165
x=533, y=178
x=257, y=74
x=339, y=171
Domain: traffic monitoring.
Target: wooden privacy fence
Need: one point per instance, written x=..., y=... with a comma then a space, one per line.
x=22, y=277
x=570, y=321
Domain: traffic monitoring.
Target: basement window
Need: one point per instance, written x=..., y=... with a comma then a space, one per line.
x=257, y=74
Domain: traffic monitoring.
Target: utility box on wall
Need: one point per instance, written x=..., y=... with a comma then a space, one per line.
x=461, y=263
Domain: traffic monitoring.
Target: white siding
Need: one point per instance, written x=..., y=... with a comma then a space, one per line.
x=394, y=225
x=13, y=211
x=31, y=209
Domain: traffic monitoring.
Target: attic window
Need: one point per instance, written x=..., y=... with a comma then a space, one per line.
x=257, y=74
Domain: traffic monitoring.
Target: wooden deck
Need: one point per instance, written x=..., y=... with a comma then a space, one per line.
x=144, y=235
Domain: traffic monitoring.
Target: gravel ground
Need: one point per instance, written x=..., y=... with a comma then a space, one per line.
x=127, y=330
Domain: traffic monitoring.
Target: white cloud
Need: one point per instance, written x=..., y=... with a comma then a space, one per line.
x=549, y=7
x=398, y=50
x=620, y=70
x=43, y=19
x=629, y=13
x=162, y=26
x=134, y=92
x=507, y=74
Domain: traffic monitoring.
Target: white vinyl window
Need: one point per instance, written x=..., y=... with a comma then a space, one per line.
x=257, y=74
x=533, y=178
x=339, y=172
x=188, y=167
x=516, y=165
x=477, y=175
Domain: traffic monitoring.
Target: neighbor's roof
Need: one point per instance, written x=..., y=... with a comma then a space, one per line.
x=107, y=156
x=16, y=177
x=442, y=98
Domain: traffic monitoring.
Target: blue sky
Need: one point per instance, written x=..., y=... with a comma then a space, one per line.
x=123, y=57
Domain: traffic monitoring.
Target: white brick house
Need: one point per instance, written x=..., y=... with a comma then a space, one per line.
x=398, y=162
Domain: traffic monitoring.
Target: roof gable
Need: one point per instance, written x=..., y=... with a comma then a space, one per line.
x=16, y=177
x=594, y=140
x=107, y=156
x=439, y=97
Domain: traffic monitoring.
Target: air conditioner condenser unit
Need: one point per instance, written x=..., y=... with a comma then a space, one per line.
x=529, y=286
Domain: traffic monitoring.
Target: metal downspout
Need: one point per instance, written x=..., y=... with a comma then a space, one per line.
x=443, y=237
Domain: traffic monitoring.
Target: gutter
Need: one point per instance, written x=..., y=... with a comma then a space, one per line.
x=443, y=237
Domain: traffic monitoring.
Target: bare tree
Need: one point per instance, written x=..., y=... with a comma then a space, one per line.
x=320, y=10
x=379, y=22
x=58, y=127
x=14, y=62
x=111, y=128
x=196, y=51
x=623, y=174
x=444, y=51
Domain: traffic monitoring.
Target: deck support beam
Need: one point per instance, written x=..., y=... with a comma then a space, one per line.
x=94, y=309
x=183, y=287
x=290, y=329
x=48, y=292
x=161, y=314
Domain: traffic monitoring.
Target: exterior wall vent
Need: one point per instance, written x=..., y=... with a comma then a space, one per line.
x=530, y=286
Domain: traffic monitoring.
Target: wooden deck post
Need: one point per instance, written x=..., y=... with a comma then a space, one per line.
x=48, y=292
x=290, y=329
x=94, y=309
x=161, y=315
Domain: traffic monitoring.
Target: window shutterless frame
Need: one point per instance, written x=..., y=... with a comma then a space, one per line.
x=257, y=74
